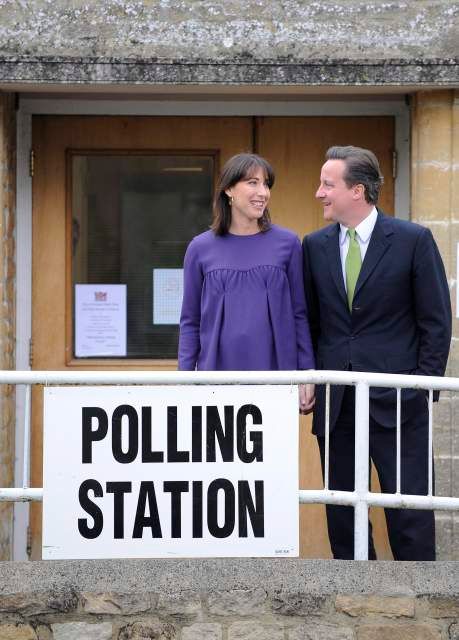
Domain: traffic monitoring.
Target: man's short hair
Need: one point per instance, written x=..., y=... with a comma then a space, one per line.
x=362, y=167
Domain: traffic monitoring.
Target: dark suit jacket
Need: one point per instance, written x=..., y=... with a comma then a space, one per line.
x=400, y=320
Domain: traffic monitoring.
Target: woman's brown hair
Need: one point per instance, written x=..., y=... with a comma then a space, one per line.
x=239, y=167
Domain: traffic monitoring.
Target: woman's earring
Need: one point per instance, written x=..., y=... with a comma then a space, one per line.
x=231, y=200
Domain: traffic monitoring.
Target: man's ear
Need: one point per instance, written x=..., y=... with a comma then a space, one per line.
x=358, y=192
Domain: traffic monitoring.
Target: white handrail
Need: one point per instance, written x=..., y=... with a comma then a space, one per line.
x=361, y=498
x=228, y=377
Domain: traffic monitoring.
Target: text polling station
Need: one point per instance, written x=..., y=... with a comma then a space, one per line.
x=170, y=471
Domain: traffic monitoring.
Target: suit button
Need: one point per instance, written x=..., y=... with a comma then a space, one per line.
x=356, y=308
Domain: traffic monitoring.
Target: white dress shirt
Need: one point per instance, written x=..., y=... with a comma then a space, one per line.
x=363, y=233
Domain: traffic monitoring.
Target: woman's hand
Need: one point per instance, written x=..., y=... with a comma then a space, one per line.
x=307, y=398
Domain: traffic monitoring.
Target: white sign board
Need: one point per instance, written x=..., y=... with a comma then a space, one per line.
x=167, y=295
x=100, y=320
x=137, y=472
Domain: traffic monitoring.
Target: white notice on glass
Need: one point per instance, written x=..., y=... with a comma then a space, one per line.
x=100, y=320
x=167, y=295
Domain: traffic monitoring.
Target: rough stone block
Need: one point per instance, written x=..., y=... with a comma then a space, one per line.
x=455, y=474
x=17, y=632
x=202, y=631
x=115, y=603
x=321, y=632
x=298, y=604
x=152, y=630
x=444, y=536
x=443, y=476
x=455, y=537
x=443, y=607
x=454, y=631
x=82, y=630
x=241, y=602
x=390, y=606
x=44, y=633
x=451, y=224
x=31, y=604
x=255, y=631
x=453, y=295
x=434, y=126
x=399, y=632
x=455, y=174
x=455, y=397
x=432, y=199
x=180, y=604
x=442, y=426
x=441, y=232
x=453, y=362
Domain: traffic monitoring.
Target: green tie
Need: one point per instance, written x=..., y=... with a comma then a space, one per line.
x=353, y=264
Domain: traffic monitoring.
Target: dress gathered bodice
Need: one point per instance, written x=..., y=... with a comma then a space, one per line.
x=243, y=306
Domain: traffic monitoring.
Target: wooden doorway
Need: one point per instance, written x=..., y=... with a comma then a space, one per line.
x=65, y=146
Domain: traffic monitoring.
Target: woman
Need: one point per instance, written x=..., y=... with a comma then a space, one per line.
x=243, y=303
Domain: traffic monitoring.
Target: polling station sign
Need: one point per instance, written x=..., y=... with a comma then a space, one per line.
x=136, y=471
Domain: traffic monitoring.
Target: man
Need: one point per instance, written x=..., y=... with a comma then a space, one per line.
x=378, y=301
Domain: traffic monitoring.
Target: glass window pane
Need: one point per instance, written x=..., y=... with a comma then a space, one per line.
x=133, y=216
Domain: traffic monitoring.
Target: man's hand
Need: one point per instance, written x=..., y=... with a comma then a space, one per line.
x=307, y=398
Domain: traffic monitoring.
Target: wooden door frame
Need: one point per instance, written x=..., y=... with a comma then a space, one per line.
x=64, y=106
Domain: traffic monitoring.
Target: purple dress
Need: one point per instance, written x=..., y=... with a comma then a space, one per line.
x=243, y=304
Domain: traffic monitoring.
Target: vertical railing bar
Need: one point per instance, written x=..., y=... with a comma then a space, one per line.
x=327, y=435
x=430, y=446
x=399, y=483
x=26, y=458
x=361, y=478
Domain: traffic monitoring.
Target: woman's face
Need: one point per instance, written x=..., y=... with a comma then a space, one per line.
x=250, y=196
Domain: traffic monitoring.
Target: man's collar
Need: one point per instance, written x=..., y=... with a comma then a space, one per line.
x=364, y=229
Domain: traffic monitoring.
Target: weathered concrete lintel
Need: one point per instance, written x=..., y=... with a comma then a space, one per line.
x=201, y=575
x=437, y=73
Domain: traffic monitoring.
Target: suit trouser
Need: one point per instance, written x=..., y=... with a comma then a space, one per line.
x=411, y=531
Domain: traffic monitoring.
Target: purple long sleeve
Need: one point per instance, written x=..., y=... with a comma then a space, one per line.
x=243, y=304
x=189, y=343
x=303, y=336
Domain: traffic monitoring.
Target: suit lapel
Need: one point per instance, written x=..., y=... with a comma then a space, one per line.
x=379, y=243
x=334, y=259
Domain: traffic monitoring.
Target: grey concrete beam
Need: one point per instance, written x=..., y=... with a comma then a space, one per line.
x=326, y=73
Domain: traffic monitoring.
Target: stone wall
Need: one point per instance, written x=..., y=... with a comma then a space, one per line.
x=7, y=309
x=221, y=29
x=228, y=600
x=435, y=203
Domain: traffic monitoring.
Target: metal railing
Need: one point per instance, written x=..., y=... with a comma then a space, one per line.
x=360, y=499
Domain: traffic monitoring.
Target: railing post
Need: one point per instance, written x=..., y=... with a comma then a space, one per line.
x=26, y=453
x=362, y=441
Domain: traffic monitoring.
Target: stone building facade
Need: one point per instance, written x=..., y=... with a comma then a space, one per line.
x=238, y=599
x=286, y=59
x=7, y=320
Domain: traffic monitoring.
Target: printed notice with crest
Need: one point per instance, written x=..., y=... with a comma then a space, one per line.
x=100, y=320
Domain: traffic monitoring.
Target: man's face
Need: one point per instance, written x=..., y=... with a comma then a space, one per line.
x=337, y=198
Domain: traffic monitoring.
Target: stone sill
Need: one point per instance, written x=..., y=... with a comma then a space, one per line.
x=315, y=577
